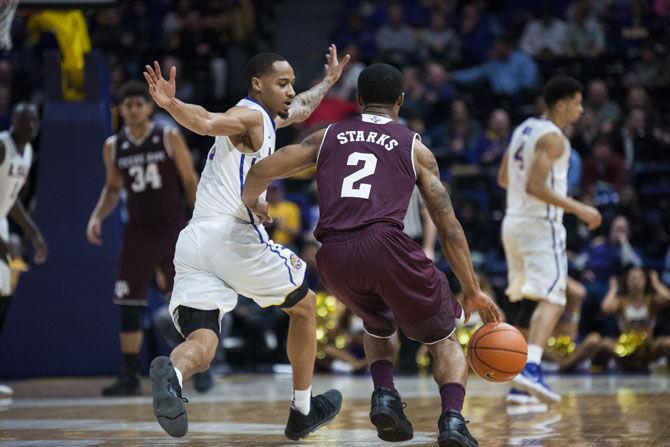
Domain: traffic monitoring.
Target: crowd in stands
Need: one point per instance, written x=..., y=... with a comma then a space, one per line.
x=473, y=71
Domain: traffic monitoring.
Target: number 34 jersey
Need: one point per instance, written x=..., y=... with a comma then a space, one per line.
x=520, y=159
x=150, y=175
x=365, y=174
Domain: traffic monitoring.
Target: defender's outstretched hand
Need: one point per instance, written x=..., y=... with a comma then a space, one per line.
x=161, y=90
x=334, y=67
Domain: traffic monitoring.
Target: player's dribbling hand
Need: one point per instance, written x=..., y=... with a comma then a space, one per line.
x=334, y=67
x=484, y=304
x=40, y=247
x=590, y=216
x=93, y=231
x=161, y=90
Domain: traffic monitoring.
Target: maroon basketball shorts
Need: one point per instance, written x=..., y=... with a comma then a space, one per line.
x=146, y=250
x=385, y=278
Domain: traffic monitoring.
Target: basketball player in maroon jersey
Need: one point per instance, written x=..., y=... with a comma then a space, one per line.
x=153, y=164
x=367, y=167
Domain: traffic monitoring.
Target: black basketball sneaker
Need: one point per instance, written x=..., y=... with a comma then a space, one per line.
x=127, y=383
x=387, y=414
x=453, y=431
x=323, y=409
x=168, y=404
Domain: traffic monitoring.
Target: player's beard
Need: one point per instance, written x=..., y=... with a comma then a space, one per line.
x=283, y=115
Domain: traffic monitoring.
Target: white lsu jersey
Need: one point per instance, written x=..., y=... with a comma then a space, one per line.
x=220, y=188
x=14, y=171
x=519, y=161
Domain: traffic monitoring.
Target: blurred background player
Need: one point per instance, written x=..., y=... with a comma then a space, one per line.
x=16, y=157
x=224, y=252
x=534, y=171
x=152, y=163
x=367, y=168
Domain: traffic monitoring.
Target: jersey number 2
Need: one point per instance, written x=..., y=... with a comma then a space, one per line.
x=369, y=166
x=143, y=177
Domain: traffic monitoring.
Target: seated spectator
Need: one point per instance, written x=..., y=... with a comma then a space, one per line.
x=634, y=28
x=417, y=101
x=174, y=19
x=604, y=166
x=607, y=112
x=453, y=139
x=606, y=257
x=649, y=70
x=638, y=97
x=346, y=88
x=477, y=31
x=396, y=40
x=507, y=71
x=585, y=132
x=545, y=36
x=285, y=226
x=492, y=144
x=358, y=34
x=440, y=42
x=437, y=83
x=585, y=35
x=636, y=141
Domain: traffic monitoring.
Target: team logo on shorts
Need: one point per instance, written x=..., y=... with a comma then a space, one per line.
x=295, y=262
x=121, y=289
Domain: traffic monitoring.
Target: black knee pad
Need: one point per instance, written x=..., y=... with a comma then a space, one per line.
x=524, y=313
x=190, y=320
x=296, y=296
x=130, y=317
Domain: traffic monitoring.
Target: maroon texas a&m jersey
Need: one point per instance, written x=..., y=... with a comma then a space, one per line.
x=149, y=175
x=364, y=174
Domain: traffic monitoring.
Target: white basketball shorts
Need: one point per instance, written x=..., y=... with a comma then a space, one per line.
x=217, y=259
x=537, y=267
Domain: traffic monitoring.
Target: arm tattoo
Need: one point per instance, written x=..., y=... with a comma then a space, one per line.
x=304, y=104
x=433, y=168
x=438, y=200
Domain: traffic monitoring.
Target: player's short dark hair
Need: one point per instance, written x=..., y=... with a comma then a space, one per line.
x=261, y=64
x=380, y=84
x=134, y=88
x=561, y=87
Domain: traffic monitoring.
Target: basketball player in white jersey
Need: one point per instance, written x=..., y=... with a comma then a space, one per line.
x=16, y=157
x=534, y=172
x=225, y=251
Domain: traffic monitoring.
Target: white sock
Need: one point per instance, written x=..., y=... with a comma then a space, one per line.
x=179, y=376
x=534, y=354
x=301, y=400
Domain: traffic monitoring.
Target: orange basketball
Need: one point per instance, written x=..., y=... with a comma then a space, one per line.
x=497, y=352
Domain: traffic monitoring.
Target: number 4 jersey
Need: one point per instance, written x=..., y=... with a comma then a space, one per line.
x=519, y=161
x=150, y=175
x=365, y=174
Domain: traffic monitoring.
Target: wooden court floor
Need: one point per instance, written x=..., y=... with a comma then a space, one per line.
x=251, y=410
